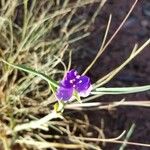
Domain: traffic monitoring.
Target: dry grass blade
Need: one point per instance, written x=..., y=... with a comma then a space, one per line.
x=42, y=145
x=107, y=105
x=110, y=75
x=104, y=46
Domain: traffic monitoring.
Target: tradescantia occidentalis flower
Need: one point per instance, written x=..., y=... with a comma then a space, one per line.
x=73, y=83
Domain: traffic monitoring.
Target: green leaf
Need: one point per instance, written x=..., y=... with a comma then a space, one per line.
x=77, y=96
x=121, y=90
x=31, y=71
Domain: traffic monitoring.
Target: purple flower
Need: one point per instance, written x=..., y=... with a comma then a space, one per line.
x=71, y=83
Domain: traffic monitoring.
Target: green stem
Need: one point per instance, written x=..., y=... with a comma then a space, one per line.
x=29, y=70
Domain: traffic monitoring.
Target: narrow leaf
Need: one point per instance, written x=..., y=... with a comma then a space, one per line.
x=29, y=70
x=121, y=90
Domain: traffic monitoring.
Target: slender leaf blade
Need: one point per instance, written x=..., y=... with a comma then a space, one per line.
x=34, y=72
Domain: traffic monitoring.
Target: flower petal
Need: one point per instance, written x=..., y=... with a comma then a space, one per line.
x=71, y=74
x=69, y=78
x=66, y=83
x=64, y=93
x=86, y=92
x=83, y=84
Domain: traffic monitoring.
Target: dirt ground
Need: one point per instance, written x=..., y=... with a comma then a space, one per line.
x=136, y=29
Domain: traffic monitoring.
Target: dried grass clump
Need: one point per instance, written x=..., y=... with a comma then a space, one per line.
x=40, y=35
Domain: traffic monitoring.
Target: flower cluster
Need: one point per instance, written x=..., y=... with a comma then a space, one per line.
x=72, y=83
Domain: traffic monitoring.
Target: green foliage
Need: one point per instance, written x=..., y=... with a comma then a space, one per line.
x=121, y=90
